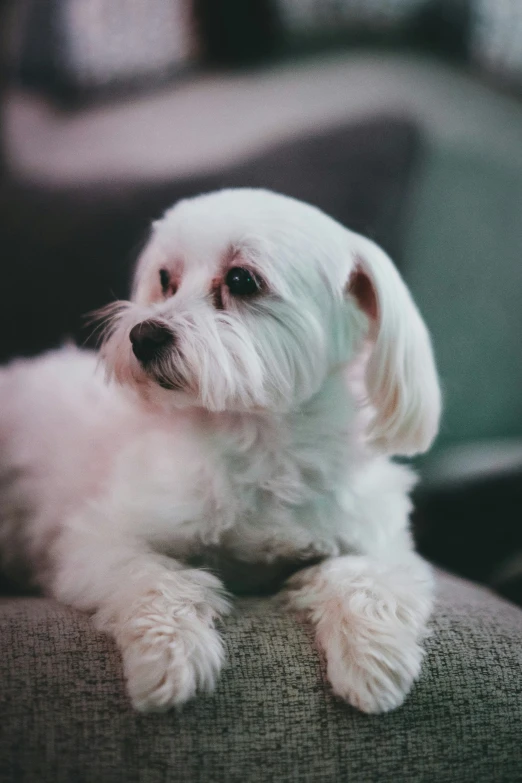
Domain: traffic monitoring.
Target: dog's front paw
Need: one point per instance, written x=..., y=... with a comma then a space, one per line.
x=170, y=652
x=169, y=661
x=372, y=670
x=370, y=621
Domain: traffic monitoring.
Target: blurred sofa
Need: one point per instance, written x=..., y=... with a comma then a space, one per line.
x=426, y=159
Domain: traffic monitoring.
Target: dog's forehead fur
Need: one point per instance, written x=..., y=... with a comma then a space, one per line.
x=271, y=232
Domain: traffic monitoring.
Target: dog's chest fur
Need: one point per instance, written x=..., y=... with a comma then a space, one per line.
x=259, y=494
x=251, y=496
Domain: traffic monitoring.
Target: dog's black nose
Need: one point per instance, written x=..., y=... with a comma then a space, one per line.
x=148, y=338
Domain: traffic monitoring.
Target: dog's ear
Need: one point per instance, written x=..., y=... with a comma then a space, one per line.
x=401, y=378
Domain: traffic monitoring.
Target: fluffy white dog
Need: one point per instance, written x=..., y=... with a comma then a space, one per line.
x=226, y=432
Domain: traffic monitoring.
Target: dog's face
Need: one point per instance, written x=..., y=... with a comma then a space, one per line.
x=246, y=300
x=237, y=304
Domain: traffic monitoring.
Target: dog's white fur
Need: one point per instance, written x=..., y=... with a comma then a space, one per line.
x=272, y=448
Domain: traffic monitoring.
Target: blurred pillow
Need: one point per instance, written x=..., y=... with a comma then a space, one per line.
x=496, y=37
x=73, y=49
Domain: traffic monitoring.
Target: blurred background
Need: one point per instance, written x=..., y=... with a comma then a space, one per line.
x=401, y=118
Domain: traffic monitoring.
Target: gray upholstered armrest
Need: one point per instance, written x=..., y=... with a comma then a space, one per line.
x=65, y=716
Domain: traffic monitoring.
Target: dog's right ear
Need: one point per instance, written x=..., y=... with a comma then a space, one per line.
x=401, y=378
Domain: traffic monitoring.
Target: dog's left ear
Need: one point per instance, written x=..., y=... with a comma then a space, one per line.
x=401, y=378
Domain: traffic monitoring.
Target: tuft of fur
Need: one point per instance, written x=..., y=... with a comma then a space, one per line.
x=256, y=440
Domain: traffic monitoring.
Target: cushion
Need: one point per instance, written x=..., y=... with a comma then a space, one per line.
x=65, y=715
x=72, y=50
x=496, y=38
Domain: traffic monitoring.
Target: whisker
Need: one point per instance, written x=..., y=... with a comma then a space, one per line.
x=104, y=320
x=110, y=309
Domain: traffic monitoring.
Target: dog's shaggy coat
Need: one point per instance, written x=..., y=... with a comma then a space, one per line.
x=241, y=418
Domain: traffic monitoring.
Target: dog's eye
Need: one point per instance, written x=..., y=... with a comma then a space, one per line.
x=168, y=285
x=242, y=282
x=164, y=280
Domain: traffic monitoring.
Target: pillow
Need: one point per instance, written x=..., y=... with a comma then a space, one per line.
x=495, y=39
x=77, y=49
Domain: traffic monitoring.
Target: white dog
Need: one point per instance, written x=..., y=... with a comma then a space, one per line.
x=224, y=428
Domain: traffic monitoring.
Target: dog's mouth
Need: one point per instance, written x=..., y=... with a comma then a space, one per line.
x=162, y=371
x=168, y=382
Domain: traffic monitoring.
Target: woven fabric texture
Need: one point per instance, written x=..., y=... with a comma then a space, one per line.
x=65, y=716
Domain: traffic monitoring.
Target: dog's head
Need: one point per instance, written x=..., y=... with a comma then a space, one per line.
x=247, y=300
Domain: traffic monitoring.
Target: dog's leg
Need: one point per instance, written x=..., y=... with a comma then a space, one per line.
x=161, y=614
x=370, y=619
